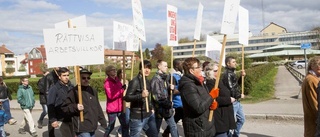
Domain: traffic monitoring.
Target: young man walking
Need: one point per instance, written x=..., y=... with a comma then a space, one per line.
x=231, y=81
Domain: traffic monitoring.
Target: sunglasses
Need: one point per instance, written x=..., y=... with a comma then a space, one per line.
x=84, y=78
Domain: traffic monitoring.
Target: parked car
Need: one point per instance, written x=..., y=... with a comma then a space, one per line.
x=300, y=64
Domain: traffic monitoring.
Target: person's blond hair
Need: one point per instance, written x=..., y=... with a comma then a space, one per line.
x=210, y=68
x=314, y=62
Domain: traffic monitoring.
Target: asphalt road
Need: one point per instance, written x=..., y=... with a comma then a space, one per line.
x=251, y=128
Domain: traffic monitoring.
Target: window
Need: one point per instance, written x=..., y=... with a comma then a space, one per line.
x=30, y=63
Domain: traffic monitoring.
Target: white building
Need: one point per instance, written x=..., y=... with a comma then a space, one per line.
x=271, y=36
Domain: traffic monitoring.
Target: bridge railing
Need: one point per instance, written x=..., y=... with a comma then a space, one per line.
x=298, y=75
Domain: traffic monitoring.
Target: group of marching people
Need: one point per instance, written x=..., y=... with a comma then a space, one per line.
x=188, y=97
x=188, y=94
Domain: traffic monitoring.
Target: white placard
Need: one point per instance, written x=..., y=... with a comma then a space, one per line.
x=213, y=49
x=172, y=27
x=243, y=26
x=74, y=46
x=229, y=19
x=138, y=22
x=197, y=31
x=123, y=37
x=78, y=22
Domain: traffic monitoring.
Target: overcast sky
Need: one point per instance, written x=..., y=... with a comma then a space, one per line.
x=22, y=21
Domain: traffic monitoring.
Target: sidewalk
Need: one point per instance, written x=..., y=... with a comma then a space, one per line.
x=286, y=106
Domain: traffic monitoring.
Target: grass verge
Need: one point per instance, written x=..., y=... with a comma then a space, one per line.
x=263, y=89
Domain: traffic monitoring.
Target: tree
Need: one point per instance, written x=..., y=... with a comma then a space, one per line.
x=167, y=53
x=147, y=53
x=157, y=52
x=184, y=40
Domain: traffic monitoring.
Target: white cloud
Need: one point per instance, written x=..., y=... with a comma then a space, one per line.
x=22, y=21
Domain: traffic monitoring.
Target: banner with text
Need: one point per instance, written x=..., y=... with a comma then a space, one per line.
x=197, y=31
x=74, y=46
x=138, y=22
x=243, y=26
x=172, y=30
x=213, y=49
x=229, y=18
x=123, y=37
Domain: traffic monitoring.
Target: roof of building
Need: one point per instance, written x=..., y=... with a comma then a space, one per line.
x=282, y=46
x=272, y=23
x=3, y=50
x=284, y=53
x=42, y=50
x=109, y=52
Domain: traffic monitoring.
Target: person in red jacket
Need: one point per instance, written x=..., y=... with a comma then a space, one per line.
x=114, y=92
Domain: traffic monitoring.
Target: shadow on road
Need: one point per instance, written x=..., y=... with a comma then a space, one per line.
x=254, y=134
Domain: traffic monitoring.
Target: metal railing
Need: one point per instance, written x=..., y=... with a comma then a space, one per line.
x=298, y=75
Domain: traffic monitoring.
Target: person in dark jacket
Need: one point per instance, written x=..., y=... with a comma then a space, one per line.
x=196, y=101
x=5, y=98
x=232, y=82
x=177, y=103
x=136, y=95
x=223, y=115
x=43, y=93
x=92, y=111
x=57, y=95
x=51, y=79
x=160, y=89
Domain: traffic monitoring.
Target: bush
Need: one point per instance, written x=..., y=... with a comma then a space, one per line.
x=254, y=74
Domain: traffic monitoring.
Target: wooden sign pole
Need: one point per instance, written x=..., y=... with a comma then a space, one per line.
x=132, y=65
x=124, y=79
x=194, y=47
x=171, y=78
x=143, y=77
x=219, y=70
x=78, y=82
x=242, y=77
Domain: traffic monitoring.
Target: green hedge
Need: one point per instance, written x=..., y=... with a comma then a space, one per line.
x=254, y=74
x=97, y=83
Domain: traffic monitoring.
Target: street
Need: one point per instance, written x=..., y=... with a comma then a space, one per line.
x=251, y=128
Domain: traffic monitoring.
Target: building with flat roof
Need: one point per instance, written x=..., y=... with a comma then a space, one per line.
x=270, y=36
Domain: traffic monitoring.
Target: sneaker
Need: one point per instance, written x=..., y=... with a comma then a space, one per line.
x=12, y=121
x=22, y=131
x=34, y=134
x=39, y=124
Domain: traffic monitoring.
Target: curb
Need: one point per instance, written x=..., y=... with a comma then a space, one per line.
x=275, y=117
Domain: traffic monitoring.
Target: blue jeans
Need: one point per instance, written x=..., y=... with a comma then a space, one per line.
x=3, y=134
x=112, y=120
x=171, y=123
x=239, y=116
x=44, y=112
x=148, y=124
x=127, y=121
x=85, y=134
x=6, y=107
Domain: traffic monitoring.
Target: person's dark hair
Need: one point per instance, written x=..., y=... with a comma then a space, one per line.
x=205, y=64
x=146, y=63
x=22, y=78
x=177, y=65
x=228, y=59
x=188, y=63
x=119, y=71
x=62, y=70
